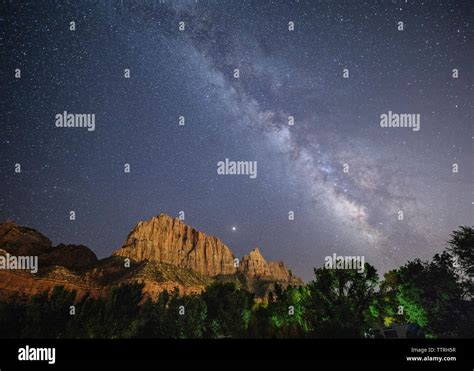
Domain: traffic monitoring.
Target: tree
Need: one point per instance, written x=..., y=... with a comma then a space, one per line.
x=386, y=308
x=286, y=311
x=151, y=322
x=229, y=310
x=461, y=247
x=431, y=295
x=186, y=316
x=47, y=314
x=12, y=314
x=111, y=317
x=339, y=301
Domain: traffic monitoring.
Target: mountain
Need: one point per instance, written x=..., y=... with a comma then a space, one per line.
x=169, y=240
x=23, y=241
x=163, y=253
x=255, y=265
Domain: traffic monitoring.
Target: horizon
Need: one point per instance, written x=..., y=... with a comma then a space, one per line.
x=325, y=265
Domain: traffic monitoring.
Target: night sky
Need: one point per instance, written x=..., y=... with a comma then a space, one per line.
x=283, y=73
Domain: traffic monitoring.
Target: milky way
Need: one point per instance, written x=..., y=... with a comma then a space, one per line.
x=344, y=176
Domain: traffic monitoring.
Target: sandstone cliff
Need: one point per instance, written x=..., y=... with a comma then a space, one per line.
x=164, y=254
x=25, y=241
x=255, y=265
x=280, y=272
x=70, y=256
x=168, y=240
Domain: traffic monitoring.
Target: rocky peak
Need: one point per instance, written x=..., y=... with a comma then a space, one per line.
x=280, y=272
x=254, y=264
x=70, y=256
x=22, y=241
x=169, y=240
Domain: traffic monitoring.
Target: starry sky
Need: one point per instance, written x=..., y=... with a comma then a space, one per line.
x=283, y=73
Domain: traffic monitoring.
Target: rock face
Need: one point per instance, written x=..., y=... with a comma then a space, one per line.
x=280, y=272
x=69, y=256
x=21, y=285
x=254, y=265
x=168, y=240
x=22, y=241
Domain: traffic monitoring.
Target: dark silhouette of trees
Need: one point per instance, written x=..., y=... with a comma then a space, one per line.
x=461, y=248
x=435, y=295
x=229, y=310
x=339, y=304
x=48, y=315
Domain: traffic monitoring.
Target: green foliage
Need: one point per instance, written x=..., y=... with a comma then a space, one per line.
x=121, y=307
x=339, y=303
x=228, y=310
x=385, y=307
x=185, y=316
x=438, y=308
x=48, y=315
x=287, y=312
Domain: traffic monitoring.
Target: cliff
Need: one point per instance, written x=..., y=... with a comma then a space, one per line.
x=164, y=254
